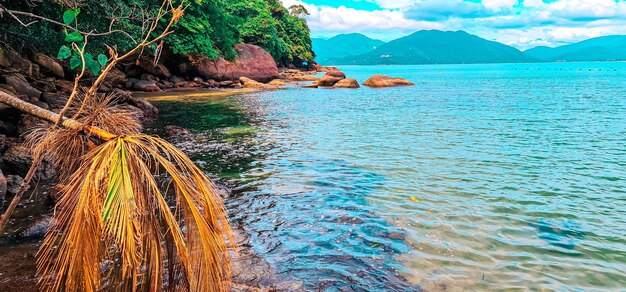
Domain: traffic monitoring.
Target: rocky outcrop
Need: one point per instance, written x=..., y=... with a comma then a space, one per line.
x=347, y=83
x=49, y=64
x=251, y=61
x=386, y=81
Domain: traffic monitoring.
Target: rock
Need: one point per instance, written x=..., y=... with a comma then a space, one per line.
x=4, y=59
x=147, y=109
x=17, y=159
x=21, y=86
x=149, y=77
x=3, y=186
x=251, y=61
x=276, y=83
x=3, y=143
x=146, y=86
x=386, y=81
x=8, y=128
x=115, y=77
x=28, y=123
x=13, y=184
x=226, y=83
x=176, y=131
x=54, y=100
x=212, y=83
x=198, y=80
x=299, y=78
x=328, y=81
x=148, y=65
x=64, y=86
x=38, y=228
x=312, y=85
x=249, y=83
x=337, y=74
x=176, y=79
x=49, y=64
x=20, y=64
x=347, y=83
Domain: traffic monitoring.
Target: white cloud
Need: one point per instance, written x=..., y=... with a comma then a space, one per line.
x=499, y=5
x=521, y=23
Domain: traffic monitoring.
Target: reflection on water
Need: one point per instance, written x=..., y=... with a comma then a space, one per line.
x=480, y=177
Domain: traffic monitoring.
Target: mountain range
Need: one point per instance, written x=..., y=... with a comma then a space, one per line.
x=456, y=47
x=345, y=45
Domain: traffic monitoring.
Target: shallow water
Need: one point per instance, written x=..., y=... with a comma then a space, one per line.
x=481, y=177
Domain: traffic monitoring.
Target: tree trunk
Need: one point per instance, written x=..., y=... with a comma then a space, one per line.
x=52, y=117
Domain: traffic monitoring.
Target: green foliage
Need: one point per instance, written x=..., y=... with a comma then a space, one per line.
x=209, y=27
x=268, y=24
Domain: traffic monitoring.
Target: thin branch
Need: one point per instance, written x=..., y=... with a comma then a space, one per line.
x=14, y=13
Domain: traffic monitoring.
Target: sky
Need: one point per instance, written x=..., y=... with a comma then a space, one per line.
x=520, y=23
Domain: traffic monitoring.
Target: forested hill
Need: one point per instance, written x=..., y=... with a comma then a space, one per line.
x=209, y=27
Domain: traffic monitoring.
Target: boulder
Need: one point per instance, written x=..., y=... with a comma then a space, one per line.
x=13, y=184
x=158, y=69
x=17, y=159
x=226, y=83
x=176, y=131
x=328, y=81
x=49, y=64
x=148, y=110
x=21, y=86
x=115, y=77
x=276, y=83
x=336, y=73
x=251, y=61
x=64, y=86
x=18, y=63
x=386, y=81
x=54, y=100
x=347, y=83
x=142, y=85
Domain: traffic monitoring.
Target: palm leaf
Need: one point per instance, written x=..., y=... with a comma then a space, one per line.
x=113, y=210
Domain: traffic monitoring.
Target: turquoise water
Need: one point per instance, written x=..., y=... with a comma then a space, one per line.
x=481, y=177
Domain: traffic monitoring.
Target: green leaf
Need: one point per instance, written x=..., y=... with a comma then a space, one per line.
x=74, y=37
x=64, y=53
x=75, y=61
x=102, y=59
x=70, y=15
x=92, y=64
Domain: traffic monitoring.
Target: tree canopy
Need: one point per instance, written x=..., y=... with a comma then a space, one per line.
x=209, y=27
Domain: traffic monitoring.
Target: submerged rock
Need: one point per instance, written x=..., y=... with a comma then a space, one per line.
x=386, y=81
x=176, y=131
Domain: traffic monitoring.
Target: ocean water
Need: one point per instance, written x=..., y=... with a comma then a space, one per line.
x=480, y=177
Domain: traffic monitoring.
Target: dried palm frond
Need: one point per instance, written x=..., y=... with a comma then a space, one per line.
x=114, y=210
x=64, y=147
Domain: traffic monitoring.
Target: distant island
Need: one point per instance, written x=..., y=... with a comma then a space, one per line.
x=456, y=47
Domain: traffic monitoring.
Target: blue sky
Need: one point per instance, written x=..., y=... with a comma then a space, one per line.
x=520, y=23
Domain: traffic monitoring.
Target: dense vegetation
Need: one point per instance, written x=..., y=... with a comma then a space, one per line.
x=209, y=27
